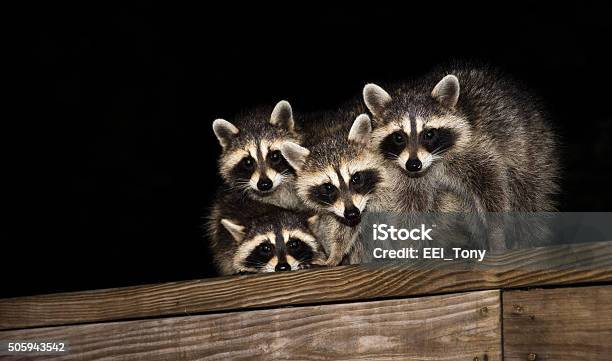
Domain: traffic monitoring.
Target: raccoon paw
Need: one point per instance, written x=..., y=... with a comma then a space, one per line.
x=331, y=262
x=309, y=266
x=242, y=273
x=319, y=263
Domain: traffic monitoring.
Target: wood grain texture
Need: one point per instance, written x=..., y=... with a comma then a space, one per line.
x=560, y=265
x=445, y=327
x=558, y=324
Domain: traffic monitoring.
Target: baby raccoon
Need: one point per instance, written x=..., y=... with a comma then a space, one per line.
x=471, y=132
x=252, y=237
x=338, y=178
x=251, y=160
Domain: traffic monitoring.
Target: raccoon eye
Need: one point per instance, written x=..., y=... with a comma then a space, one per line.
x=324, y=193
x=357, y=179
x=293, y=243
x=265, y=249
x=398, y=138
x=430, y=134
x=248, y=163
x=327, y=188
x=276, y=157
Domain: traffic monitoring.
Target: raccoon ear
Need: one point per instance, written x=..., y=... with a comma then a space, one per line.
x=282, y=116
x=375, y=98
x=294, y=154
x=446, y=92
x=313, y=220
x=236, y=230
x=361, y=130
x=225, y=131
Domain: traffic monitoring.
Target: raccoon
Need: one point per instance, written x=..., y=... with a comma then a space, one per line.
x=251, y=160
x=338, y=177
x=469, y=131
x=247, y=236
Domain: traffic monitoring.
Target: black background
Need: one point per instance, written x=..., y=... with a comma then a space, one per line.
x=115, y=154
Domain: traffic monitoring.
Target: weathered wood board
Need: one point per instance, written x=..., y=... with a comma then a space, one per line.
x=558, y=324
x=562, y=265
x=461, y=326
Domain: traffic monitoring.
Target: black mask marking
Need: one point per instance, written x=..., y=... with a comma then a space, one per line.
x=244, y=169
x=365, y=181
x=276, y=161
x=325, y=193
x=260, y=256
x=437, y=140
x=393, y=144
x=299, y=250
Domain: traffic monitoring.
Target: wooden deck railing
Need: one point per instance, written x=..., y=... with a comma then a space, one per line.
x=469, y=311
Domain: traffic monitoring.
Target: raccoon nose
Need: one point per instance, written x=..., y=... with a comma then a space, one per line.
x=413, y=165
x=282, y=267
x=351, y=214
x=264, y=184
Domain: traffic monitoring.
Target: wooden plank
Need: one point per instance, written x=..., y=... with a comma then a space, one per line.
x=446, y=327
x=558, y=324
x=581, y=263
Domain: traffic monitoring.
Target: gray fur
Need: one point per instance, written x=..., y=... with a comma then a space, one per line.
x=507, y=159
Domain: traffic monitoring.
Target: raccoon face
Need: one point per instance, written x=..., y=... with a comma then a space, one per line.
x=251, y=160
x=263, y=248
x=416, y=133
x=338, y=181
x=343, y=190
x=257, y=166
